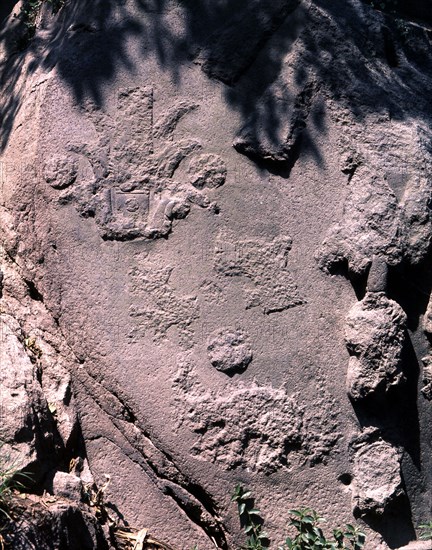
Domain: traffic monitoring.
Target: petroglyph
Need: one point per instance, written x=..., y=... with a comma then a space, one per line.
x=255, y=426
x=229, y=350
x=157, y=307
x=131, y=190
x=264, y=265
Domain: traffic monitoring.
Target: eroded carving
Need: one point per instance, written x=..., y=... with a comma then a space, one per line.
x=157, y=307
x=375, y=223
x=212, y=292
x=229, y=350
x=130, y=189
x=264, y=264
x=207, y=171
x=258, y=427
x=60, y=171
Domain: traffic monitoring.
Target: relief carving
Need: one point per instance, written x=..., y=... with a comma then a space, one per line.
x=130, y=188
x=263, y=266
x=157, y=307
x=254, y=426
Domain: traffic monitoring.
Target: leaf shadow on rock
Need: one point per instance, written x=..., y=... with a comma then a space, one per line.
x=344, y=51
x=246, y=46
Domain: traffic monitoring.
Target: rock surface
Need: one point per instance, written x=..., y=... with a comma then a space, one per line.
x=215, y=219
x=375, y=336
x=377, y=478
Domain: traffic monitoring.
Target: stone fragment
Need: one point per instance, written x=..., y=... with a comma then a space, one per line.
x=67, y=486
x=54, y=525
x=79, y=467
x=229, y=351
x=427, y=319
x=25, y=426
x=374, y=336
x=370, y=227
x=376, y=224
x=377, y=276
x=427, y=377
x=377, y=477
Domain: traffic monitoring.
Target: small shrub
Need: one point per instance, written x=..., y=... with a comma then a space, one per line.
x=305, y=523
x=310, y=536
x=250, y=520
x=426, y=531
x=11, y=480
x=28, y=15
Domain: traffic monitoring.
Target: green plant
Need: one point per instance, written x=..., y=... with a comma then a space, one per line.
x=426, y=531
x=250, y=520
x=11, y=479
x=305, y=522
x=310, y=536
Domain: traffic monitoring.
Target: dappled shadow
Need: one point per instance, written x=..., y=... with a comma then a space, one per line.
x=283, y=65
x=266, y=53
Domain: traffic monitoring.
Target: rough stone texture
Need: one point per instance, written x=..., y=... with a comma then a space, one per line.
x=427, y=377
x=427, y=320
x=389, y=229
x=257, y=427
x=205, y=209
x=229, y=351
x=159, y=307
x=265, y=265
x=377, y=478
x=418, y=545
x=67, y=486
x=374, y=337
x=49, y=524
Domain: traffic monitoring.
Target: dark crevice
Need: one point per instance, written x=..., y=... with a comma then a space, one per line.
x=359, y=284
x=345, y=479
x=33, y=291
x=193, y=499
x=410, y=287
x=398, y=514
x=389, y=48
